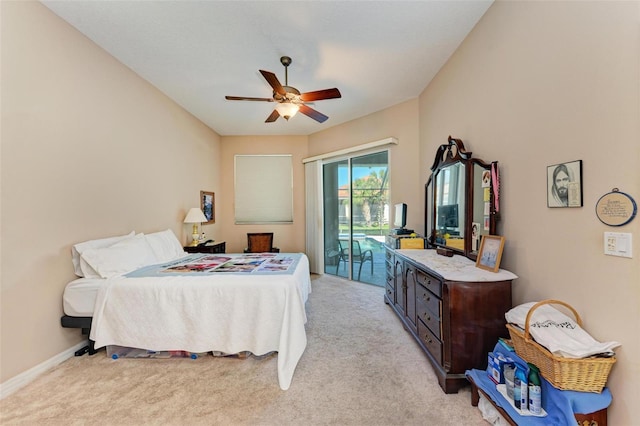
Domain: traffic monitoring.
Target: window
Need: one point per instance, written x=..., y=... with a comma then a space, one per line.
x=263, y=189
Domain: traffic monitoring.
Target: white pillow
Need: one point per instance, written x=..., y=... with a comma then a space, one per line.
x=165, y=245
x=76, y=253
x=120, y=258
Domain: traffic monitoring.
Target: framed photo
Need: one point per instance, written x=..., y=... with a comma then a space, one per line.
x=475, y=236
x=208, y=206
x=490, y=253
x=564, y=184
x=486, y=179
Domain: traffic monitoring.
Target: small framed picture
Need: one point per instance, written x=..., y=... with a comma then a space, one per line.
x=564, y=184
x=486, y=179
x=208, y=206
x=475, y=236
x=490, y=253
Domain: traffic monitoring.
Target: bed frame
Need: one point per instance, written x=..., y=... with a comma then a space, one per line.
x=83, y=323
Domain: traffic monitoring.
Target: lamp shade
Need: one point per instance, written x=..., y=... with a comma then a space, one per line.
x=287, y=109
x=195, y=215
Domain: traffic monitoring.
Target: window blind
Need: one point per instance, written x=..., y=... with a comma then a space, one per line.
x=263, y=189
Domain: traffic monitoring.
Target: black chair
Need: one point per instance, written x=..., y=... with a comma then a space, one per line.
x=357, y=255
x=260, y=242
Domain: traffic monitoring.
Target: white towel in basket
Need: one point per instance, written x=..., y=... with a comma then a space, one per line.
x=561, y=335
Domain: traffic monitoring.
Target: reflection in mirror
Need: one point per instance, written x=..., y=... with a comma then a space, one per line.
x=459, y=207
x=450, y=206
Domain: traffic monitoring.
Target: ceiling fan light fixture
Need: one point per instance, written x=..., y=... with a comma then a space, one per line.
x=287, y=109
x=288, y=99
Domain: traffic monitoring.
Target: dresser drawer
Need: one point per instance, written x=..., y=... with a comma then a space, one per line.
x=391, y=293
x=391, y=281
x=430, y=283
x=389, y=268
x=433, y=345
x=428, y=310
x=428, y=299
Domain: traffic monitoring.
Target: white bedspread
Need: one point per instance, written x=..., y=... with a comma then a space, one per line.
x=222, y=312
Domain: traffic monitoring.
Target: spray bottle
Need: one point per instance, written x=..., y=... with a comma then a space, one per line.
x=535, y=390
x=520, y=388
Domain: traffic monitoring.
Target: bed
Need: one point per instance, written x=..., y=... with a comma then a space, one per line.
x=227, y=303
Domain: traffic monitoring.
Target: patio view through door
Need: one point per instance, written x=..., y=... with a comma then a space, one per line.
x=356, y=216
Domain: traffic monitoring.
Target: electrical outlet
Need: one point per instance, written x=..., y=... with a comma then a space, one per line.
x=618, y=244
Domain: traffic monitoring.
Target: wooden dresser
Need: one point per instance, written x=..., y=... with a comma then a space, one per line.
x=454, y=310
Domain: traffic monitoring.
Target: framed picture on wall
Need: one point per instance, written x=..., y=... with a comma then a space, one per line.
x=207, y=204
x=490, y=252
x=564, y=184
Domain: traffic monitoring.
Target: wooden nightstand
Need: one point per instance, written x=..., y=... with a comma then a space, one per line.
x=215, y=247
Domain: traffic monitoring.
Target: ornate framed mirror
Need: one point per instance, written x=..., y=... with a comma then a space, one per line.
x=461, y=200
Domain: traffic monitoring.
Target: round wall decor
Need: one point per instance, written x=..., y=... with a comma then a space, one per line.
x=616, y=208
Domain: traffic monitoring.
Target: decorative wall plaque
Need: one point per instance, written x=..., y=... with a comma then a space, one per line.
x=616, y=208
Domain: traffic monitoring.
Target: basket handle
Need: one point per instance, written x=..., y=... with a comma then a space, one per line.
x=527, y=336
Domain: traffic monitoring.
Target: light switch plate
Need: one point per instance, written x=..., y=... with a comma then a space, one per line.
x=618, y=244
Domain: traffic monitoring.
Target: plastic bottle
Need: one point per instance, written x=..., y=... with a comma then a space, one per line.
x=535, y=390
x=517, y=394
x=520, y=388
x=509, y=374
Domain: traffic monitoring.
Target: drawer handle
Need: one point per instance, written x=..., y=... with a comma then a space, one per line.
x=426, y=298
x=428, y=282
x=428, y=339
x=427, y=317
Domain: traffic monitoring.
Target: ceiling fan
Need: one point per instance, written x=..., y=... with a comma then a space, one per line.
x=289, y=99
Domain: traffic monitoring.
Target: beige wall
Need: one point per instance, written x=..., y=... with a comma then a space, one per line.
x=540, y=83
x=400, y=122
x=535, y=83
x=89, y=150
x=287, y=237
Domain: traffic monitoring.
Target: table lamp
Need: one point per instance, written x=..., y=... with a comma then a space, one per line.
x=196, y=217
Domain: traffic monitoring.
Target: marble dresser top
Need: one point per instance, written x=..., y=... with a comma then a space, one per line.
x=456, y=268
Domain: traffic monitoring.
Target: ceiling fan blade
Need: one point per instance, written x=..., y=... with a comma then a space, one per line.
x=310, y=112
x=273, y=117
x=273, y=82
x=319, y=95
x=244, y=98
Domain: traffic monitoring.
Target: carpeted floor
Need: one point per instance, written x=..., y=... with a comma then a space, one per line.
x=360, y=368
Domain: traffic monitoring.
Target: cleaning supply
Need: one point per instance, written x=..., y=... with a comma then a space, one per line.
x=520, y=388
x=509, y=373
x=535, y=390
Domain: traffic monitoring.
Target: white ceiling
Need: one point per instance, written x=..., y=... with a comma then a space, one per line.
x=377, y=53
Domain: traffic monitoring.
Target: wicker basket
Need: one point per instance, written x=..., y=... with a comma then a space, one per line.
x=583, y=374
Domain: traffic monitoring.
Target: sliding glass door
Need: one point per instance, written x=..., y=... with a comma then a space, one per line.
x=356, y=216
x=336, y=203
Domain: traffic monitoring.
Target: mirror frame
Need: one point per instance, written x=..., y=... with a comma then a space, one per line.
x=449, y=154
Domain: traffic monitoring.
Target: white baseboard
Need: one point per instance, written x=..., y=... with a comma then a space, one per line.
x=23, y=379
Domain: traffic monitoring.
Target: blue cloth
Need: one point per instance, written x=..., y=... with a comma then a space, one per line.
x=560, y=405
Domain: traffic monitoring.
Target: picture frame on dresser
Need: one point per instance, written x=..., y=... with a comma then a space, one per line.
x=207, y=205
x=490, y=253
